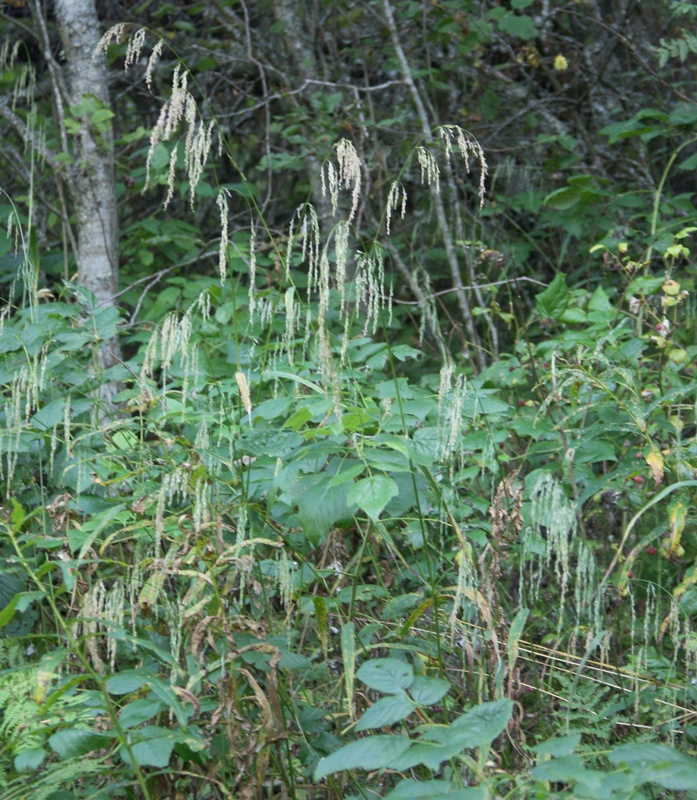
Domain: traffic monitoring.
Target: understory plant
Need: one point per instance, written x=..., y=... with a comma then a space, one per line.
x=298, y=527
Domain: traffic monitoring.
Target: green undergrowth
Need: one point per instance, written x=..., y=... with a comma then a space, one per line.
x=303, y=556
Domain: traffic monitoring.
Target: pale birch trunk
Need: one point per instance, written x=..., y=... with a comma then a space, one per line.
x=92, y=174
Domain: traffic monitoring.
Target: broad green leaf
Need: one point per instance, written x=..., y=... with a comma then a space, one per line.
x=573, y=316
x=636, y=126
x=561, y=746
x=594, y=450
x=166, y=692
x=428, y=690
x=373, y=752
x=600, y=301
x=50, y=415
x=298, y=419
x=689, y=164
x=347, y=472
x=428, y=754
x=321, y=505
x=387, y=675
x=29, y=760
x=9, y=611
x=386, y=711
x=435, y=790
x=73, y=742
x=477, y=727
x=570, y=766
x=439, y=743
x=683, y=114
x=404, y=351
x=355, y=420
x=140, y=711
x=130, y=680
x=102, y=115
x=566, y=197
x=553, y=301
x=372, y=494
x=521, y=26
x=482, y=401
x=659, y=764
x=423, y=448
x=272, y=408
x=386, y=460
x=152, y=747
x=646, y=284
x=394, y=388
x=570, y=769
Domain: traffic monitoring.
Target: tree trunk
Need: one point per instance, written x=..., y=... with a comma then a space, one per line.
x=92, y=178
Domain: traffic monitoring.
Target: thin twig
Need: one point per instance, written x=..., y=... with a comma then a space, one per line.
x=312, y=82
x=470, y=289
x=443, y=226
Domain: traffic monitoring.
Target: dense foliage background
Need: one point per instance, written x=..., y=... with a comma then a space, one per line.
x=359, y=458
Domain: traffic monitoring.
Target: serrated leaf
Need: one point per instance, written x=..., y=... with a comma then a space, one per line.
x=152, y=748
x=387, y=675
x=553, y=301
x=427, y=690
x=439, y=743
x=74, y=742
x=346, y=474
x=372, y=494
x=140, y=711
x=429, y=754
x=479, y=726
x=386, y=711
x=659, y=764
x=600, y=301
x=573, y=316
x=373, y=752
